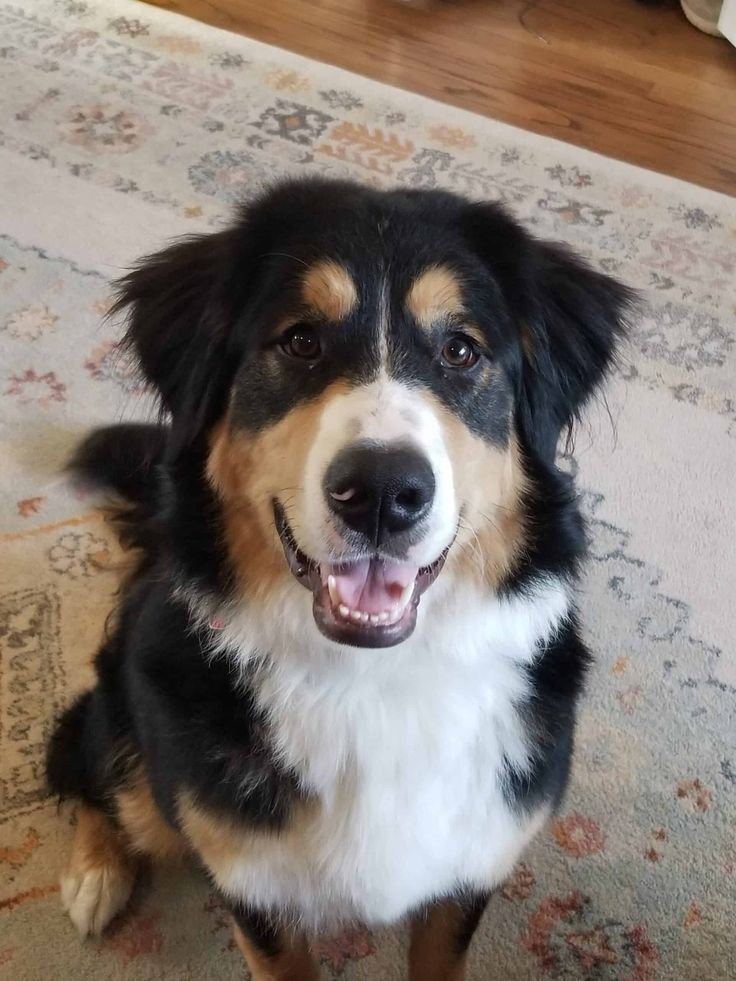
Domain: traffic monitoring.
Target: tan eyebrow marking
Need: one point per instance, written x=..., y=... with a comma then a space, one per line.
x=328, y=289
x=435, y=293
x=474, y=333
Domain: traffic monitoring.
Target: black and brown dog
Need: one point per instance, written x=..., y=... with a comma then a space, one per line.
x=344, y=674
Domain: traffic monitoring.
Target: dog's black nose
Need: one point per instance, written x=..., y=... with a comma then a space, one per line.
x=378, y=490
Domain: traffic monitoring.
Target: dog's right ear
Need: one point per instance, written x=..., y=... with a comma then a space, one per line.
x=181, y=306
x=571, y=319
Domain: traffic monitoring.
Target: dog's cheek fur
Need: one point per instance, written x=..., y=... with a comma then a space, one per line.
x=490, y=484
x=248, y=471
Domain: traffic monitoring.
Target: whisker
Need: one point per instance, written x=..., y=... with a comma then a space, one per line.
x=474, y=548
x=501, y=507
x=285, y=255
x=490, y=521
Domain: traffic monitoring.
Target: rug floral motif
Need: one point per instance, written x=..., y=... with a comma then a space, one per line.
x=122, y=126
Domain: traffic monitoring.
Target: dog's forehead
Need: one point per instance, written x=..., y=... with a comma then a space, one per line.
x=425, y=278
x=336, y=288
x=383, y=243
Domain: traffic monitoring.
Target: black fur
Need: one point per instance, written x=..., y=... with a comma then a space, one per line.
x=195, y=724
x=472, y=908
x=261, y=929
x=123, y=459
x=201, y=317
x=67, y=769
x=573, y=318
x=555, y=680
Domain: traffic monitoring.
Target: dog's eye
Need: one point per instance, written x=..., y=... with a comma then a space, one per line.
x=459, y=352
x=301, y=341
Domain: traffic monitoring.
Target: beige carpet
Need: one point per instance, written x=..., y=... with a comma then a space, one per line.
x=121, y=126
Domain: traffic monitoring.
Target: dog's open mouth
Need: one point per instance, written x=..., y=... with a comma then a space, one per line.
x=369, y=602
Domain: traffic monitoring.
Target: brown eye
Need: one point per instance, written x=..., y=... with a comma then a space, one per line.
x=301, y=341
x=459, y=352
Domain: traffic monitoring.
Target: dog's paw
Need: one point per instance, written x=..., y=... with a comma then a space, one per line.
x=92, y=896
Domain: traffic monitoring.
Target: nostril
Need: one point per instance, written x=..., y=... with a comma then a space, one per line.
x=349, y=498
x=344, y=495
x=410, y=499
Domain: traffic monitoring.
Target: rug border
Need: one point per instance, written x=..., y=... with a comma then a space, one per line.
x=663, y=183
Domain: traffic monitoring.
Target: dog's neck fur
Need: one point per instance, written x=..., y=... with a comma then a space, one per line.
x=469, y=646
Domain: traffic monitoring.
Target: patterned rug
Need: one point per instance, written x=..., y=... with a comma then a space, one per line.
x=122, y=126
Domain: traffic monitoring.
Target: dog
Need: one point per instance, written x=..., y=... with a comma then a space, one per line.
x=344, y=672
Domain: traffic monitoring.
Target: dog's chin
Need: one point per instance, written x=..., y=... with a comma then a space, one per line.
x=366, y=602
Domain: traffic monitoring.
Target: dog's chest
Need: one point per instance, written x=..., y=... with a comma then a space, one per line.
x=405, y=772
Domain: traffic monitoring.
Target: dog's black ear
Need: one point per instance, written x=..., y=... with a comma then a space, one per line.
x=571, y=319
x=575, y=320
x=180, y=308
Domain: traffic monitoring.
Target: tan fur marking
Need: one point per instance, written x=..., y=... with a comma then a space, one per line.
x=146, y=830
x=474, y=333
x=433, y=294
x=97, y=842
x=217, y=840
x=100, y=875
x=489, y=481
x=432, y=954
x=295, y=962
x=251, y=538
x=222, y=842
x=527, y=343
x=328, y=289
x=248, y=471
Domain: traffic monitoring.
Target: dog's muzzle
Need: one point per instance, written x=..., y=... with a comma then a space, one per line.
x=378, y=497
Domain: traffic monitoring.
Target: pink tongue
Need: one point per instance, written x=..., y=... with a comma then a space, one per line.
x=372, y=585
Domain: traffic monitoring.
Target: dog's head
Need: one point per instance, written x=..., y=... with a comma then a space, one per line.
x=370, y=370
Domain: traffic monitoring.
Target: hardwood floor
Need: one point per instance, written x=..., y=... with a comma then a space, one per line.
x=631, y=81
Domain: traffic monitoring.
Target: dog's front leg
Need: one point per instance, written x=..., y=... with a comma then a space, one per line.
x=440, y=937
x=272, y=951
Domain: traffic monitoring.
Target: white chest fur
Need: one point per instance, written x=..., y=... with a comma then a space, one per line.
x=404, y=753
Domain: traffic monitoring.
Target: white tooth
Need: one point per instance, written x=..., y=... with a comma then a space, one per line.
x=365, y=617
x=332, y=589
x=356, y=615
x=343, y=611
x=405, y=595
x=383, y=617
x=375, y=619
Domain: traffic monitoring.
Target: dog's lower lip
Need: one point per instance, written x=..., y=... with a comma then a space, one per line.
x=338, y=624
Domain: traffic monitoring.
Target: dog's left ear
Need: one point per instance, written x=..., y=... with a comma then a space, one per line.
x=571, y=319
x=180, y=305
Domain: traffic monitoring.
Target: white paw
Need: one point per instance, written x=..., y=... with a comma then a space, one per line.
x=93, y=896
